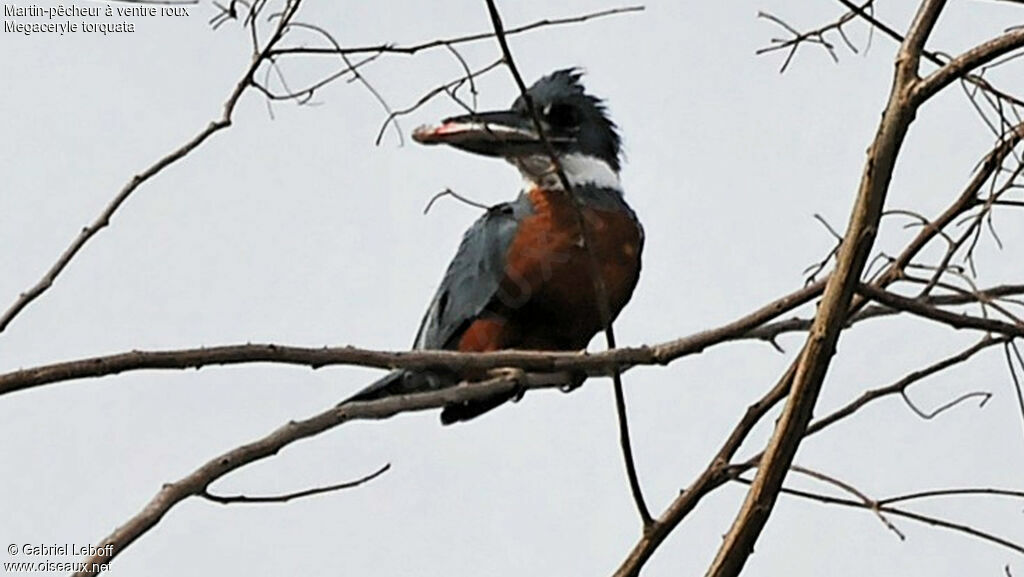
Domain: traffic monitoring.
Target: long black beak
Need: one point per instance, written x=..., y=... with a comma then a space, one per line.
x=502, y=133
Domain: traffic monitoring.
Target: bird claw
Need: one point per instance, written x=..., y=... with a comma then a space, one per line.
x=574, y=383
x=518, y=376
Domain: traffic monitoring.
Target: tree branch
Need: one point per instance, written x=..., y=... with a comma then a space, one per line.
x=600, y=290
x=835, y=304
x=753, y=326
x=447, y=42
x=955, y=320
x=770, y=331
x=597, y=364
x=926, y=519
x=900, y=386
x=103, y=220
x=197, y=482
x=868, y=502
x=931, y=55
x=719, y=470
x=962, y=65
x=229, y=499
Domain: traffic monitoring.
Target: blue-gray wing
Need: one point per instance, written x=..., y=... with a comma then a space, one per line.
x=469, y=285
x=473, y=277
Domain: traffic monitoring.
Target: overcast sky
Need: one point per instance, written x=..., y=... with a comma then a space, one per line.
x=297, y=229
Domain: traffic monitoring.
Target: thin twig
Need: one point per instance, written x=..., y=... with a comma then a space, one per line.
x=600, y=290
x=1012, y=346
x=868, y=502
x=103, y=220
x=929, y=415
x=414, y=48
x=229, y=499
x=453, y=194
x=433, y=93
x=959, y=492
x=900, y=385
x=816, y=36
x=929, y=520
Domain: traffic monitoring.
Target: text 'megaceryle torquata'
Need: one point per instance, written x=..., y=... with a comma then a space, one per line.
x=522, y=278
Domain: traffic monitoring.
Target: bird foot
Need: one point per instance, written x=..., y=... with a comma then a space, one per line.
x=575, y=381
x=518, y=376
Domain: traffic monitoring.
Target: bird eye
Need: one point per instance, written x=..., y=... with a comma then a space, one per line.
x=561, y=115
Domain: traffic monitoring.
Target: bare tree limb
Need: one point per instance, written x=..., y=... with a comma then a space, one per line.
x=595, y=364
x=931, y=55
x=770, y=331
x=717, y=473
x=828, y=323
x=955, y=320
x=719, y=470
x=962, y=65
x=197, y=482
x=840, y=308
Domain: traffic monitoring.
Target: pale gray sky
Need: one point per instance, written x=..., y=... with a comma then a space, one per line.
x=299, y=230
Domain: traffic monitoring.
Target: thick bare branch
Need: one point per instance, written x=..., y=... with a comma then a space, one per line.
x=839, y=309
x=931, y=55
x=955, y=320
x=595, y=364
x=964, y=64
x=719, y=470
x=717, y=473
x=197, y=482
x=835, y=304
x=771, y=331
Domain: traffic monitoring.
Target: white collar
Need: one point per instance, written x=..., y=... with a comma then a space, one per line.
x=580, y=169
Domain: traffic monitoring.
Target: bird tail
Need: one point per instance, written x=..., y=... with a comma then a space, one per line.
x=404, y=382
x=467, y=410
x=393, y=383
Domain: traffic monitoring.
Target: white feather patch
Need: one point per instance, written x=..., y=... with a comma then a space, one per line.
x=580, y=169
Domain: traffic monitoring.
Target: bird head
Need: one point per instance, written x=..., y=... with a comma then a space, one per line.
x=575, y=124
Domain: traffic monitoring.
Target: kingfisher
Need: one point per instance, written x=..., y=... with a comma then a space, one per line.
x=523, y=275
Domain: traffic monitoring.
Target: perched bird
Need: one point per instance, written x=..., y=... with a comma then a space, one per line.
x=522, y=277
